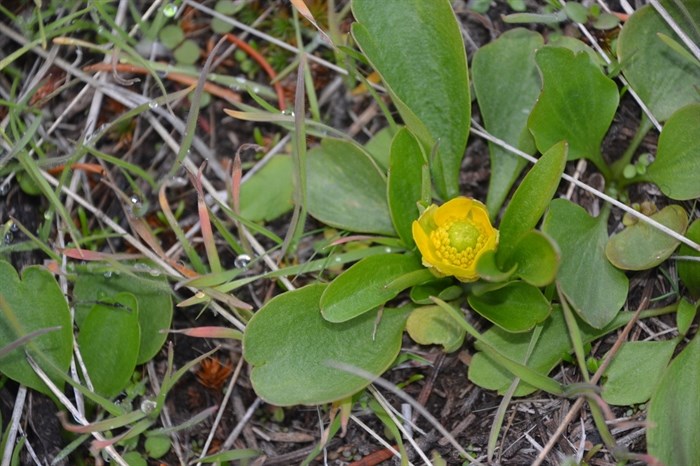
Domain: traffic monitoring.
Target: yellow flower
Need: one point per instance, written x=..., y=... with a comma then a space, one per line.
x=451, y=238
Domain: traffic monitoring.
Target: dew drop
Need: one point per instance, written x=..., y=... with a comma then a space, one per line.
x=147, y=406
x=8, y=238
x=47, y=215
x=242, y=261
x=152, y=105
x=154, y=273
x=387, y=250
x=4, y=187
x=108, y=274
x=14, y=228
x=169, y=10
x=256, y=89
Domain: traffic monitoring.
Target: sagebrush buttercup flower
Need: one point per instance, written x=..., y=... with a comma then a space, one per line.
x=451, y=238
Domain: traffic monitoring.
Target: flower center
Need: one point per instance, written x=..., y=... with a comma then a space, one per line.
x=463, y=235
x=458, y=241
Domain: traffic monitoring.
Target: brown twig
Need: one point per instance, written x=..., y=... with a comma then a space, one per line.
x=264, y=64
x=211, y=88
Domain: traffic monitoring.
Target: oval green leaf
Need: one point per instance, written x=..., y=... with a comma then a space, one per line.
x=418, y=50
x=553, y=344
x=365, y=285
x=674, y=411
x=530, y=201
x=664, y=80
x=506, y=84
x=33, y=303
x=635, y=371
x=677, y=164
x=345, y=189
x=268, y=193
x=689, y=271
x=151, y=290
x=536, y=259
x=292, y=349
x=577, y=104
x=431, y=325
x=109, y=342
x=595, y=288
x=641, y=246
x=404, y=183
x=517, y=307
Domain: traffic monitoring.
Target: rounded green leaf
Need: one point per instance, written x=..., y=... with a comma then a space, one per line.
x=516, y=307
x=685, y=315
x=674, y=411
x=641, y=246
x=33, y=303
x=577, y=104
x=689, y=271
x=292, y=349
x=536, y=259
x=225, y=7
x=187, y=53
x=431, y=325
x=506, y=84
x=150, y=289
x=677, y=164
x=366, y=285
x=552, y=345
x=109, y=342
x=268, y=193
x=171, y=35
x=404, y=183
x=345, y=189
x=595, y=288
x=663, y=79
x=417, y=48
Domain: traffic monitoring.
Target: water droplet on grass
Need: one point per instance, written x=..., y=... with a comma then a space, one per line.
x=242, y=261
x=169, y=10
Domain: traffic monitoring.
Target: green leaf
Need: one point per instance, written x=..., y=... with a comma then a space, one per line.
x=488, y=269
x=530, y=201
x=109, y=342
x=636, y=370
x=506, y=84
x=97, y=282
x=187, y=53
x=443, y=288
x=418, y=50
x=345, y=189
x=228, y=8
x=689, y=271
x=641, y=246
x=664, y=80
x=536, y=259
x=595, y=288
x=33, y=303
x=365, y=285
x=430, y=325
x=171, y=35
x=268, y=193
x=404, y=184
x=516, y=307
x=379, y=146
x=677, y=162
x=292, y=349
x=577, y=104
x=552, y=345
x=674, y=411
x=685, y=315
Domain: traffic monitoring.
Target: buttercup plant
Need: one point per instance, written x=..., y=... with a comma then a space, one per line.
x=453, y=237
x=518, y=278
